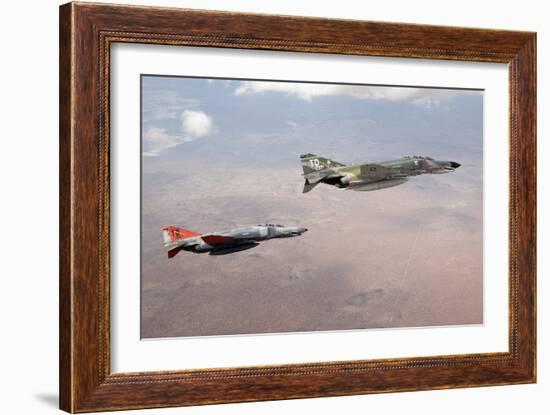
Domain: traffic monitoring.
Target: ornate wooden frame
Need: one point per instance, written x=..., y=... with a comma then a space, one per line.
x=86, y=33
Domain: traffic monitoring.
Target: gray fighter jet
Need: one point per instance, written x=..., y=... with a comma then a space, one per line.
x=369, y=176
x=224, y=242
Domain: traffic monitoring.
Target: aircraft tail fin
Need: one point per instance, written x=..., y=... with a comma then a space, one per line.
x=173, y=234
x=316, y=168
x=312, y=163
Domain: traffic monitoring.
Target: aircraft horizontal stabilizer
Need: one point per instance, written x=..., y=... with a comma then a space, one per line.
x=173, y=252
x=308, y=186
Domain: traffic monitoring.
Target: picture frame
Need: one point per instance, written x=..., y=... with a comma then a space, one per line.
x=87, y=32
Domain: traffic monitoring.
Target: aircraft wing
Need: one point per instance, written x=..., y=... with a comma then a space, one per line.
x=375, y=172
x=216, y=239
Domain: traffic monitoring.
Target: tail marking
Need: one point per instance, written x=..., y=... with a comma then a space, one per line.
x=172, y=234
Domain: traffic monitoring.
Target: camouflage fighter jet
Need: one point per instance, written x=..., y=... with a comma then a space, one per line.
x=369, y=176
x=224, y=242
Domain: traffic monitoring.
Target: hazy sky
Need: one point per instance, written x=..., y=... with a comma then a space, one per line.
x=219, y=154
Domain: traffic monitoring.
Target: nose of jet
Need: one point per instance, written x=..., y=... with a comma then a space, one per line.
x=454, y=164
x=296, y=231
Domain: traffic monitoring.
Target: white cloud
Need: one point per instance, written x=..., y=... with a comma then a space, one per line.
x=156, y=140
x=194, y=125
x=307, y=91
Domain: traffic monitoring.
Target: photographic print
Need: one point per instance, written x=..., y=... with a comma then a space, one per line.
x=260, y=207
x=279, y=207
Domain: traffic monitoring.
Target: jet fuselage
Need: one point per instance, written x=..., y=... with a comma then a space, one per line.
x=228, y=241
x=369, y=176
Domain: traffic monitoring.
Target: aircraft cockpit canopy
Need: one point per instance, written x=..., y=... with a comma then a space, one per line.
x=418, y=157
